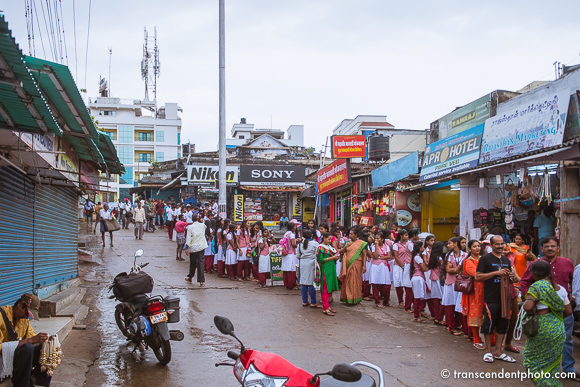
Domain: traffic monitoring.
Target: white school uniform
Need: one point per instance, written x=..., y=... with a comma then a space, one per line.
x=289, y=261
x=380, y=273
x=231, y=255
x=418, y=282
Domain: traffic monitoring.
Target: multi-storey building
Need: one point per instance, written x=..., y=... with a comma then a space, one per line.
x=142, y=134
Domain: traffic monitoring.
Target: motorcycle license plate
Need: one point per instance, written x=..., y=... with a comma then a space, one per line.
x=159, y=317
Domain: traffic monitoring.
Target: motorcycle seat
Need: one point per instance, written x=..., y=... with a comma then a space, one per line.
x=365, y=381
x=138, y=299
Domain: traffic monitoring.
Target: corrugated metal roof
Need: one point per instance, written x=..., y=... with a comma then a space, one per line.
x=109, y=153
x=59, y=88
x=22, y=106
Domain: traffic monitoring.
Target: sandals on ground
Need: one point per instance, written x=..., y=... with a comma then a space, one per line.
x=306, y=304
x=380, y=306
x=419, y=320
x=506, y=358
x=401, y=305
x=511, y=348
x=456, y=332
x=318, y=306
x=479, y=345
x=488, y=358
x=439, y=322
x=425, y=315
x=328, y=312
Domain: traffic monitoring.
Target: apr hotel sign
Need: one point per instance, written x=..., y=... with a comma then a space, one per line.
x=452, y=154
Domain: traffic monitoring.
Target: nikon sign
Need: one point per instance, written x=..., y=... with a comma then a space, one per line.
x=206, y=175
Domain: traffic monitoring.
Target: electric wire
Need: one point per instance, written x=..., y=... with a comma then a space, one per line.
x=87, y=50
x=63, y=32
x=39, y=28
x=47, y=31
x=75, y=36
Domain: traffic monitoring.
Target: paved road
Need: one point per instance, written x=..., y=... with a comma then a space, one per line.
x=272, y=319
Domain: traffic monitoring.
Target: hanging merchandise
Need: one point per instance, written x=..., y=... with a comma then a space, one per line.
x=509, y=217
x=510, y=186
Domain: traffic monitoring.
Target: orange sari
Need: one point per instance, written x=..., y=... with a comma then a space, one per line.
x=351, y=273
x=472, y=304
x=517, y=256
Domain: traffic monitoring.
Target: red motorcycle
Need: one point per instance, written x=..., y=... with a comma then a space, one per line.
x=262, y=369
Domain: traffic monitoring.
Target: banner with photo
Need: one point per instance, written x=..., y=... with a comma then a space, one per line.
x=525, y=124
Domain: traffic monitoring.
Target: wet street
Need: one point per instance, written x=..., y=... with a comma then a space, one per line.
x=270, y=319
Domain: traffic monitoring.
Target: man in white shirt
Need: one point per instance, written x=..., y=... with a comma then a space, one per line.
x=139, y=219
x=196, y=244
x=105, y=213
x=170, y=211
x=188, y=214
x=214, y=207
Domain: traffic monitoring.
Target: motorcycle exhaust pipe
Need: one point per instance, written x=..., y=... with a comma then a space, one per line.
x=176, y=335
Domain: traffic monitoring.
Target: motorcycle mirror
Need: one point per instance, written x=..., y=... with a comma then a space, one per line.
x=346, y=373
x=224, y=325
x=139, y=253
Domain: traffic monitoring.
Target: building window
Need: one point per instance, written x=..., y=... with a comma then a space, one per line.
x=127, y=177
x=160, y=136
x=159, y=156
x=112, y=135
x=242, y=137
x=178, y=155
x=144, y=157
x=178, y=138
x=145, y=136
x=125, y=154
x=125, y=133
x=107, y=113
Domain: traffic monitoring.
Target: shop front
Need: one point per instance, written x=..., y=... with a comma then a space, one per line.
x=269, y=193
x=202, y=187
x=336, y=181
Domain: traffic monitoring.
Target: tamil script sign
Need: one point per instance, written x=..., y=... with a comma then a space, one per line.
x=532, y=121
x=333, y=176
x=206, y=175
x=344, y=147
x=452, y=154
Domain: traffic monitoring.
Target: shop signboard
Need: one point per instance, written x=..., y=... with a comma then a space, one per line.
x=296, y=207
x=276, y=273
x=238, y=208
x=345, y=147
x=466, y=117
x=206, y=175
x=276, y=175
x=41, y=144
x=408, y=205
x=452, y=154
x=396, y=170
x=68, y=162
x=527, y=123
x=333, y=176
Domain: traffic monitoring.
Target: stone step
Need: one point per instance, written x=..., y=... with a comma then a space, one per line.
x=77, y=311
x=52, y=305
x=54, y=325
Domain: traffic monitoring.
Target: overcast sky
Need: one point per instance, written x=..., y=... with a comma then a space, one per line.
x=314, y=62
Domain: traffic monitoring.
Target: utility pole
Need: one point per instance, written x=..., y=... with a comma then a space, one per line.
x=222, y=112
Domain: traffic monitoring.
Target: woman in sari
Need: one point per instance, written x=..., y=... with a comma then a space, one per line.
x=543, y=352
x=354, y=256
x=472, y=303
x=327, y=256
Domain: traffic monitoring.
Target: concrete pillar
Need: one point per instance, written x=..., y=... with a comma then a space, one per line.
x=569, y=212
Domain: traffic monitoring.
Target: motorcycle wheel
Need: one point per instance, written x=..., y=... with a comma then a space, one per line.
x=121, y=322
x=162, y=351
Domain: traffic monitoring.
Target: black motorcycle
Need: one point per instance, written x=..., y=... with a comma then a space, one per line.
x=141, y=318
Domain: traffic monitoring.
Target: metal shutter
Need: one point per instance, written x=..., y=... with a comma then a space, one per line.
x=16, y=235
x=56, y=235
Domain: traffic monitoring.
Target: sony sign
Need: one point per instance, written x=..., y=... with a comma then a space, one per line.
x=208, y=174
x=272, y=175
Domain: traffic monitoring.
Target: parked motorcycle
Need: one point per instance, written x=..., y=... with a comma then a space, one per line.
x=141, y=318
x=262, y=369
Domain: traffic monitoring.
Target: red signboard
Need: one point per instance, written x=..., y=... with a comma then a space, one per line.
x=344, y=147
x=333, y=176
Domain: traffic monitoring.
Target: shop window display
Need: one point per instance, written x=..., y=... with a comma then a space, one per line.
x=265, y=206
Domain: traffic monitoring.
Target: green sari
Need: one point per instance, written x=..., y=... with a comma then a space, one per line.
x=327, y=269
x=351, y=273
x=544, y=351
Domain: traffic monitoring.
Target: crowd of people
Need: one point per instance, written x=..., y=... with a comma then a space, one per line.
x=365, y=263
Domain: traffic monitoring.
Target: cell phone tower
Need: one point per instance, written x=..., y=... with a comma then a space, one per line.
x=150, y=64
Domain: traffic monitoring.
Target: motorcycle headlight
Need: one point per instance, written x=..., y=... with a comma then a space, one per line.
x=239, y=370
x=254, y=378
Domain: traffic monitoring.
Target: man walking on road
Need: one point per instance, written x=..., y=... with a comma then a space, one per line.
x=196, y=244
x=490, y=269
x=159, y=211
x=139, y=218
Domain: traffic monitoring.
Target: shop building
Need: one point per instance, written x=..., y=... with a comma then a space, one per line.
x=52, y=153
